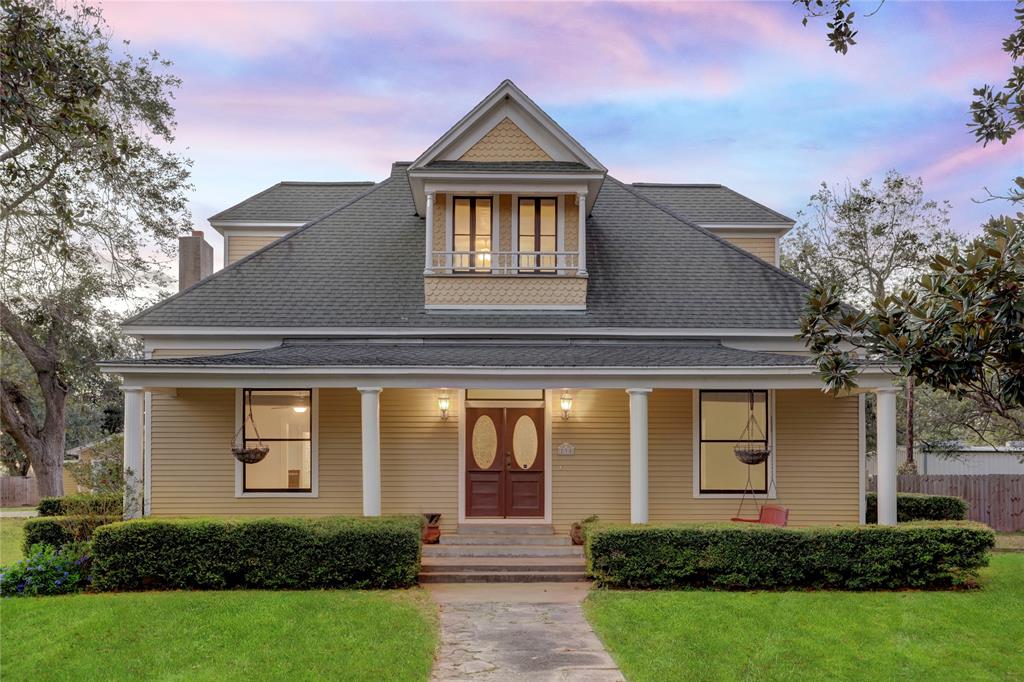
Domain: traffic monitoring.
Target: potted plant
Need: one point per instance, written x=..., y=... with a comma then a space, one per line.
x=431, y=528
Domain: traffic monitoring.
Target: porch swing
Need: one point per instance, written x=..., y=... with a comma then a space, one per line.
x=752, y=453
x=248, y=455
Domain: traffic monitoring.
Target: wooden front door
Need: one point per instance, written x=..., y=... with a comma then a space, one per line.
x=504, y=462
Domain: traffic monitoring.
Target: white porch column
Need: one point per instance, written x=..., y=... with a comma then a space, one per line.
x=428, y=266
x=133, y=497
x=886, y=415
x=638, y=454
x=581, y=201
x=371, y=450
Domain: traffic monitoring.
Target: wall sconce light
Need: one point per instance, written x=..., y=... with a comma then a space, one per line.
x=444, y=402
x=565, y=402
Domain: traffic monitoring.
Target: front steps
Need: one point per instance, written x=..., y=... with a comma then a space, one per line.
x=502, y=554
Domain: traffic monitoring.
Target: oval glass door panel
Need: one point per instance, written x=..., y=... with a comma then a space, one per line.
x=524, y=442
x=485, y=442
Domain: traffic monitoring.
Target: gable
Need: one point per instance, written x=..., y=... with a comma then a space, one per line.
x=505, y=142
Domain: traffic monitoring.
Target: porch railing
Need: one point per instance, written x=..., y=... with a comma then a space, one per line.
x=506, y=262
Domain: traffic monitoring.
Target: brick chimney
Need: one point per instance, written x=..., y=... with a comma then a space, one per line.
x=195, y=259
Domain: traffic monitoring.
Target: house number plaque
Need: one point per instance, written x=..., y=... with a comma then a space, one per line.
x=566, y=450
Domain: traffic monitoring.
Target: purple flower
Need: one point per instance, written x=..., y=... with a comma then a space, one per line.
x=57, y=583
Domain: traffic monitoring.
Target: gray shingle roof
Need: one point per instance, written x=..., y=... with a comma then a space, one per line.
x=293, y=201
x=454, y=353
x=509, y=166
x=710, y=203
x=362, y=266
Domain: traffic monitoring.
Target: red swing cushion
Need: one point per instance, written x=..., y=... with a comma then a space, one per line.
x=771, y=514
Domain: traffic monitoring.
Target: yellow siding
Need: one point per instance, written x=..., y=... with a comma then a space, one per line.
x=595, y=478
x=240, y=247
x=762, y=247
x=193, y=472
x=572, y=223
x=505, y=224
x=505, y=142
x=465, y=290
x=419, y=455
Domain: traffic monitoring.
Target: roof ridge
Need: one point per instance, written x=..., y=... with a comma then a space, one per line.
x=709, y=233
x=347, y=183
x=257, y=252
x=678, y=184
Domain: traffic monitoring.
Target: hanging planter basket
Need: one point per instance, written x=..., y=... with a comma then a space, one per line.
x=249, y=455
x=751, y=455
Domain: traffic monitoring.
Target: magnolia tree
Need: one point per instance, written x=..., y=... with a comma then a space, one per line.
x=90, y=203
x=958, y=329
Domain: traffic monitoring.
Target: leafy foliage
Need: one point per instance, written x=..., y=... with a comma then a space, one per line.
x=997, y=114
x=960, y=329
x=57, y=531
x=90, y=201
x=102, y=504
x=100, y=467
x=732, y=557
x=839, y=20
x=282, y=553
x=48, y=570
x=917, y=507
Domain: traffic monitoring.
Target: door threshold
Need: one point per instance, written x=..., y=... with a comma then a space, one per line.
x=517, y=521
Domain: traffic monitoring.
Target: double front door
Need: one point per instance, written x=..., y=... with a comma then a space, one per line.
x=504, y=462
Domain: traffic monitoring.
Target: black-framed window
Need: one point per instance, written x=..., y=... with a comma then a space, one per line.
x=281, y=419
x=723, y=420
x=538, y=231
x=471, y=232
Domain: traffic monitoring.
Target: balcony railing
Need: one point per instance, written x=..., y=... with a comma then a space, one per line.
x=505, y=263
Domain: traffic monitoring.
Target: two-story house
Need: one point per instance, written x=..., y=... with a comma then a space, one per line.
x=500, y=332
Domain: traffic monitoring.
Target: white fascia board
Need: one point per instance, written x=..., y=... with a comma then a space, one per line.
x=746, y=230
x=504, y=183
x=477, y=377
x=449, y=332
x=222, y=225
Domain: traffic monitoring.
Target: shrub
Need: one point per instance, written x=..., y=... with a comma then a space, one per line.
x=918, y=507
x=259, y=553
x=57, y=531
x=47, y=570
x=917, y=555
x=101, y=504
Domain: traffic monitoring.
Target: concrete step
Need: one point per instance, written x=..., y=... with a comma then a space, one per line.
x=492, y=565
x=504, y=539
x=503, y=529
x=502, y=551
x=502, y=577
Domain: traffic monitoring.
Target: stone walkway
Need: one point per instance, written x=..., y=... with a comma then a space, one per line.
x=533, y=632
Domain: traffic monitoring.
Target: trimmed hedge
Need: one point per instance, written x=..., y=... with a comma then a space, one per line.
x=270, y=553
x=742, y=557
x=58, y=531
x=85, y=504
x=919, y=507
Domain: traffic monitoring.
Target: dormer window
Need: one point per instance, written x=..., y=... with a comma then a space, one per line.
x=471, y=230
x=538, y=234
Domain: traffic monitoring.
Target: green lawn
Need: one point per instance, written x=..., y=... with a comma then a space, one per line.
x=239, y=635
x=705, y=635
x=10, y=540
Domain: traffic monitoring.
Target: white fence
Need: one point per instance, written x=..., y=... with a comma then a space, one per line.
x=966, y=462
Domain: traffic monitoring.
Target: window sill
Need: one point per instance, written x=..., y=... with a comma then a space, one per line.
x=733, y=496
x=306, y=495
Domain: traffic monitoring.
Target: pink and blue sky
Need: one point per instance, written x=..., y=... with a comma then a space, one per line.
x=729, y=92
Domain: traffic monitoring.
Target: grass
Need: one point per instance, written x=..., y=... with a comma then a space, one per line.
x=235, y=635
x=11, y=533
x=709, y=635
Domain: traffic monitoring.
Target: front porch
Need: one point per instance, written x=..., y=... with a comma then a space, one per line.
x=625, y=454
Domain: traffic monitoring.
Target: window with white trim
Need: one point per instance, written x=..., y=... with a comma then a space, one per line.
x=728, y=419
x=281, y=420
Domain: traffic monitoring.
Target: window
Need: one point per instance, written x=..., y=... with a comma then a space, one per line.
x=472, y=234
x=283, y=421
x=538, y=231
x=724, y=416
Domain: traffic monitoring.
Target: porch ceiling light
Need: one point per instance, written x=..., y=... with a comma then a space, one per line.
x=444, y=402
x=566, y=404
x=299, y=409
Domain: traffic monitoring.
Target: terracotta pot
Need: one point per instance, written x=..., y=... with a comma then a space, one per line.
x=576, y=534
x=431, y=534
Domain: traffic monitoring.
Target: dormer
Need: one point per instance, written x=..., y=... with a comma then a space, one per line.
x=505, y=195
